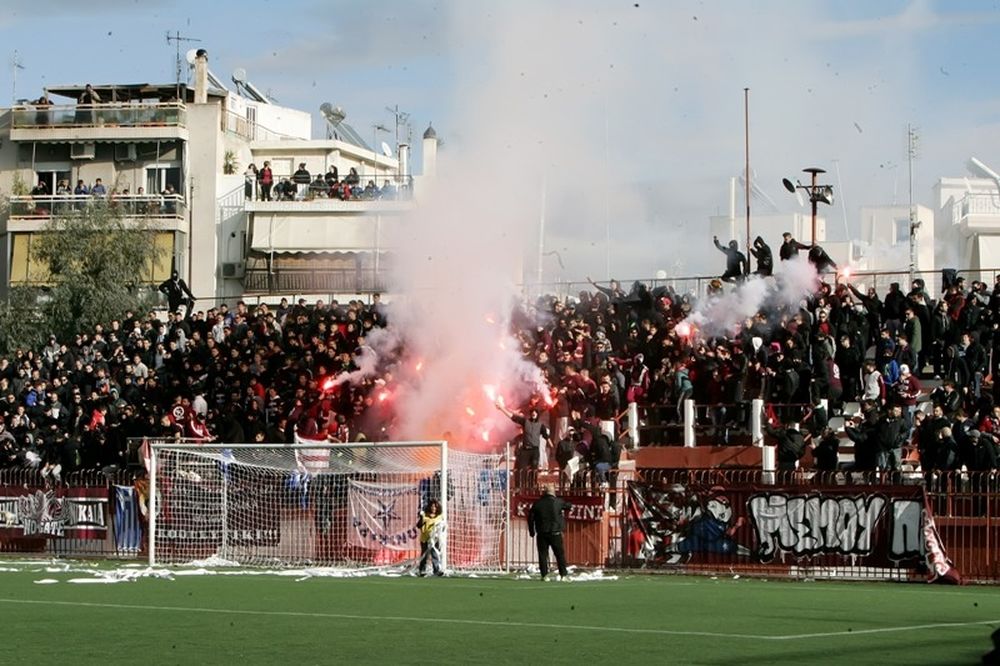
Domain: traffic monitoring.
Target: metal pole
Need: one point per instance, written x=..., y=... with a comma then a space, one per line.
x=746, y=124
x=812, y=199
x=913, y=223
x=541, y=236
x=152, y=504
x=507, y=530
x=444, y=505
x=223, y=550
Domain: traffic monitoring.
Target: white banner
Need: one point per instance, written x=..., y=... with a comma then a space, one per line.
x=312, y=461
x=384, y=515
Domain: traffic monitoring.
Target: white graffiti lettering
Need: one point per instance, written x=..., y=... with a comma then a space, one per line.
x=811, y=524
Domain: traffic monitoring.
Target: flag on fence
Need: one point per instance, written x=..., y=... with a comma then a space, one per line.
x=311, y=461
x=128, y=526
x=384, y=515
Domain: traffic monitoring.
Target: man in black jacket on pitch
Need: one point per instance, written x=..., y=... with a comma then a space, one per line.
x=546, y=524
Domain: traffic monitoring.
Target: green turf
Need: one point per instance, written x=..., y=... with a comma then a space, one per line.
x=635, y=619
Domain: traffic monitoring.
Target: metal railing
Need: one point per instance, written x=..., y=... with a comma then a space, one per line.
x=697, y=285
x=155, y=206
x=964, y=507
x=100, y=115
x=314, y=280
x=976, y=204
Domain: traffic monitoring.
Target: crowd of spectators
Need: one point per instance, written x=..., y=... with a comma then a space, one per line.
x=68, y=199
x=256, y=375
x=303, y=186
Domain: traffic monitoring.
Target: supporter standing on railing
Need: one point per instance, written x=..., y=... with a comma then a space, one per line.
x=533, y=434
x=736, y=261
x=177, y=292
x=790, y=247
x=765, y=260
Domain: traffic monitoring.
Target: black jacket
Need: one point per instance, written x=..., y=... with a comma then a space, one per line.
x=791, y=443
x=546, y=516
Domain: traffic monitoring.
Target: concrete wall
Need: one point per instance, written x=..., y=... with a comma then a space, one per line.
x=204, y=159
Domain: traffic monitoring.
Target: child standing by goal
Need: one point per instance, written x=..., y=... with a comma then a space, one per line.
x=429, y=522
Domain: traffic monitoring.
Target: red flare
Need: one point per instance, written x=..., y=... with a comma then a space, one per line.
x=486, y=435
x=490, y=319
x=420, y=366
x=491, y=392
x=683, y=329
x=548, y=399
x=383, y=396
x=328, y=384
x=470, y=411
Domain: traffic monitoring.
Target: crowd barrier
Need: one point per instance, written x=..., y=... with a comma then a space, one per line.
x=885, y=526
x=90, y=513
x=907, y=526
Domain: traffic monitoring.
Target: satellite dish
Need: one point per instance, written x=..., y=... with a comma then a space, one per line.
x=191, y=55
x=661, y=274
x=386, y=150
x=239, y=75
x=788, y=185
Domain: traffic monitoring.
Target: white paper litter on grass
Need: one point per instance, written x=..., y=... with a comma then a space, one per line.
x=46, y=581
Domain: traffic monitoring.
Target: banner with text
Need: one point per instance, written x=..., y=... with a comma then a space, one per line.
x=586, y=508
x=889, y=528
x=384, y=515
x=75, y=513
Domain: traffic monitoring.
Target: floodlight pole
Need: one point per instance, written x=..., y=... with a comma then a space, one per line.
x=746, y=127
x=815, y=205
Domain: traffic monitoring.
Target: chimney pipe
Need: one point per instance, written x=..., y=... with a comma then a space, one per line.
x=404, y=160
x=201, y=77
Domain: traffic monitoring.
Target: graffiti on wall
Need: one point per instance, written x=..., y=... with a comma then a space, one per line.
x=681, y=523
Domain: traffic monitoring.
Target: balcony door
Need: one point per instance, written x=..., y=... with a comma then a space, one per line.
x=159, y=176
x=51, y=178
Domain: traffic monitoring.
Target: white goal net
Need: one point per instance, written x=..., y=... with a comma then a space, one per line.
x=350, y=506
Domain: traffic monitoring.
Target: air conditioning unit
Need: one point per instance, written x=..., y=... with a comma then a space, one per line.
x=234, y=270
x=125, y=152
x=82, y=151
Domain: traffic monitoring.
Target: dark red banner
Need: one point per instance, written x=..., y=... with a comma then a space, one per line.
x=586, y=508
x=41, y=513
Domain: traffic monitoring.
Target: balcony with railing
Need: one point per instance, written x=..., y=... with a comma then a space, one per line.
x=978, y=213
x=31, y=213
x=320, y=197
x=99, y=122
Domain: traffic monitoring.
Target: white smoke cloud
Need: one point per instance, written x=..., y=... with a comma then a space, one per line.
x=794, y=280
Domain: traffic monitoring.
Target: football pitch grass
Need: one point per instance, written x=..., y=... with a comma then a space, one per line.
x=635, y=618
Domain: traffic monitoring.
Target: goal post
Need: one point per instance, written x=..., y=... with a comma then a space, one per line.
x=352, y=506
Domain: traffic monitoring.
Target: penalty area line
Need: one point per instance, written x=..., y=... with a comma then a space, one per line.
x=883, y=630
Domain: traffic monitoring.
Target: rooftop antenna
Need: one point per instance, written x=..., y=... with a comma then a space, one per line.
x=176, y=39
x=401, y=117
x=15, y=64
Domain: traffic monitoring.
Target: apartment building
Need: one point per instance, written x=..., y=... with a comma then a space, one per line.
x=177, y=155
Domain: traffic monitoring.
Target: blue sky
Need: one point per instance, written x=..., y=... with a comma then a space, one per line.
x=829, y=81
